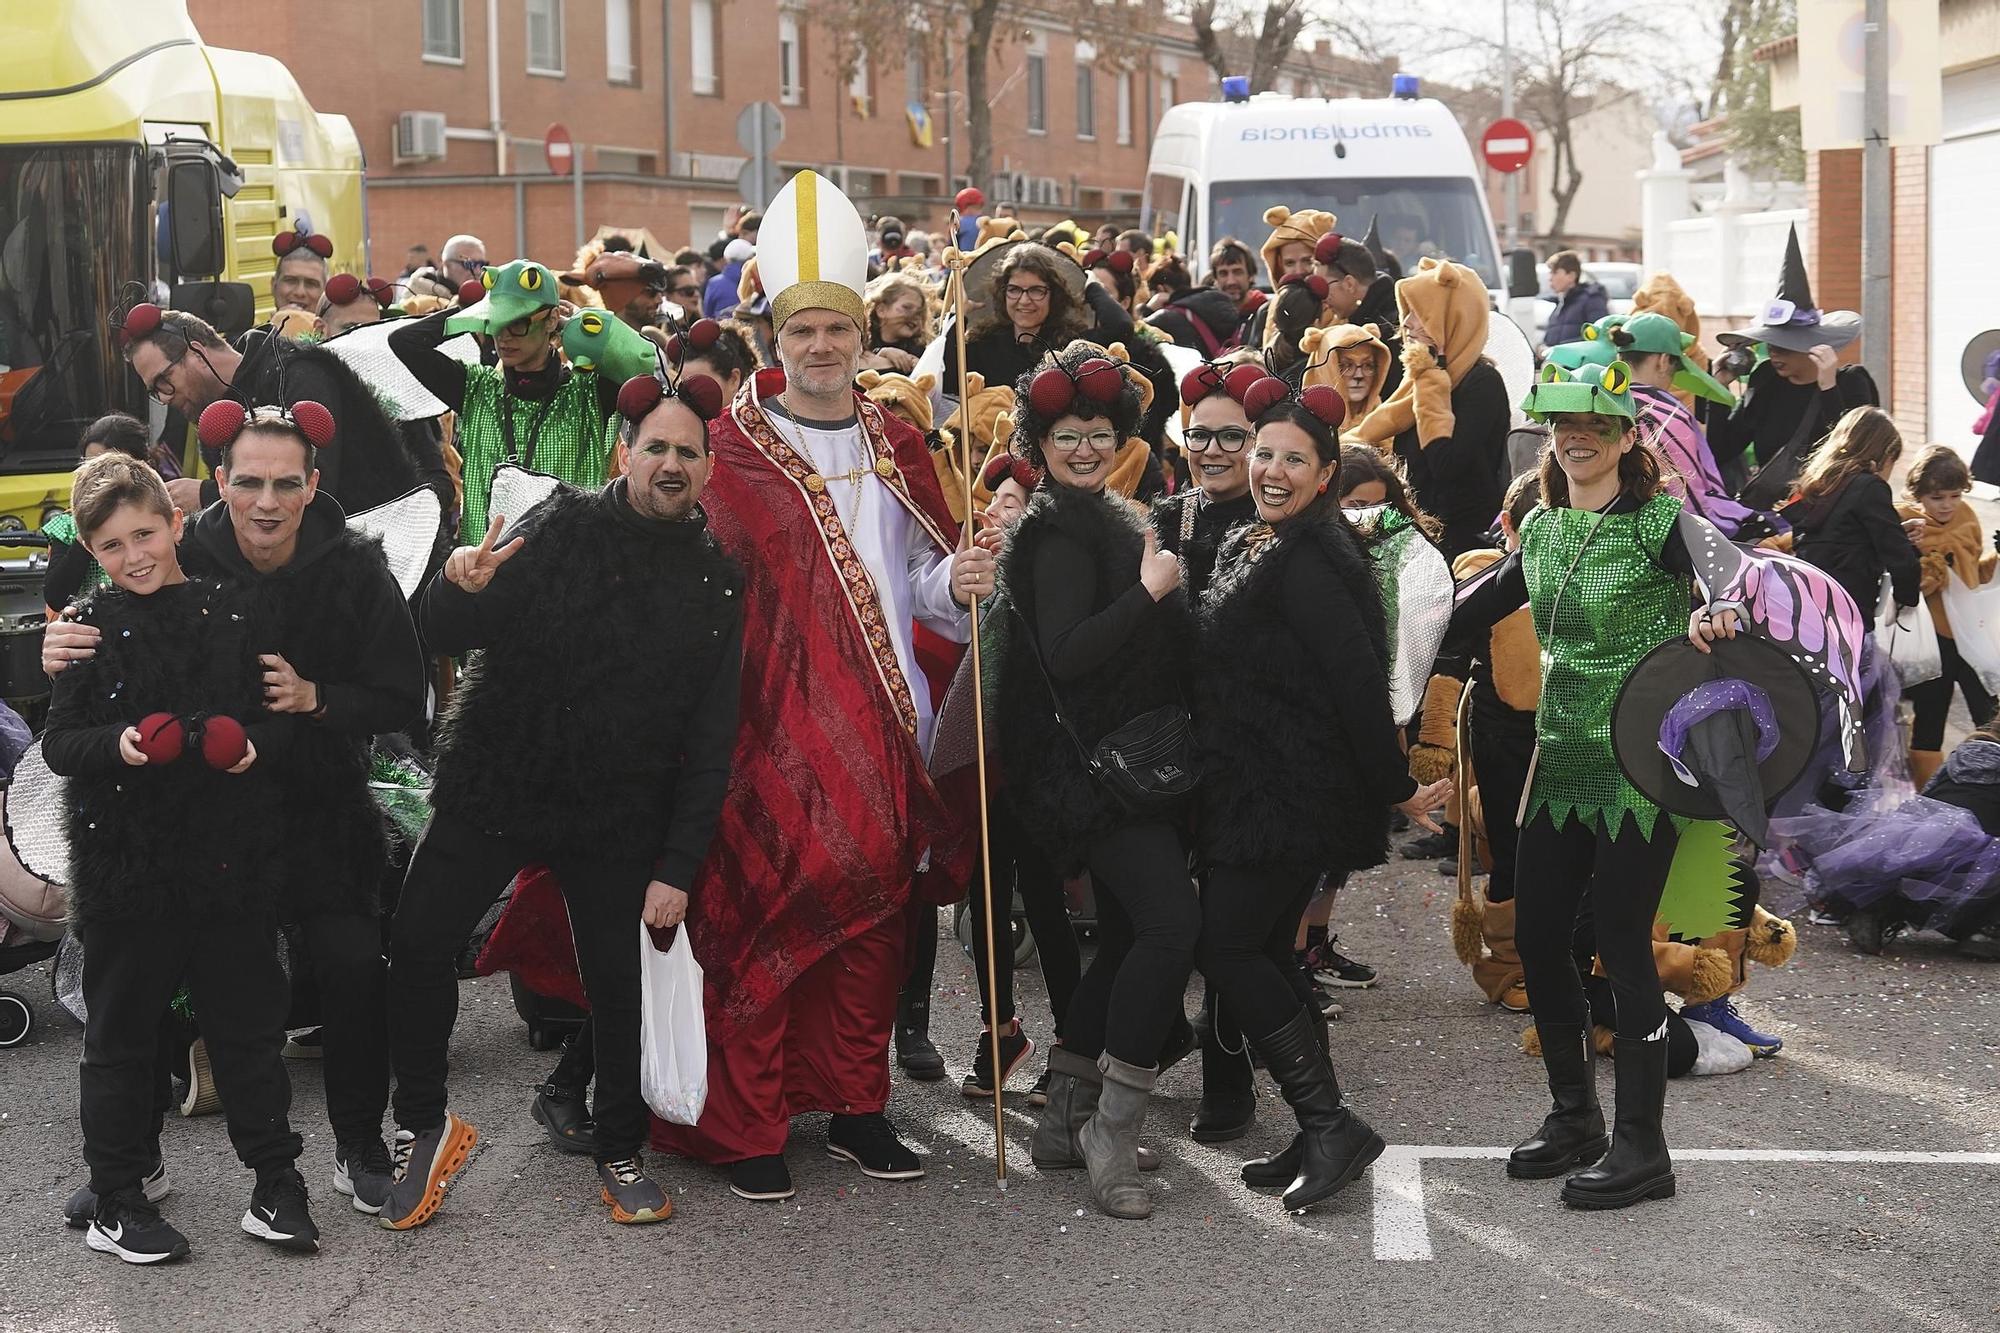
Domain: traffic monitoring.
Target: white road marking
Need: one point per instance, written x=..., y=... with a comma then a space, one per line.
x=1402, y=1230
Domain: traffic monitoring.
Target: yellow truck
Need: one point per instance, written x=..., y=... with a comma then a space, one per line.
x=138, y=162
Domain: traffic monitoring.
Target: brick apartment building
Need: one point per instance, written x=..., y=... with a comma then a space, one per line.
x=452, y=100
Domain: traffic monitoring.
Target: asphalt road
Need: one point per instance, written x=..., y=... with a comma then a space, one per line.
x=1891, y=1054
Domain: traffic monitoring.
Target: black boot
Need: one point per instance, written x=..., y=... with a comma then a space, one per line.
x=1335, y=1145
x=1573, y=1133
x=1228, y=1087
x=1637, y=1167
x=914, y=1052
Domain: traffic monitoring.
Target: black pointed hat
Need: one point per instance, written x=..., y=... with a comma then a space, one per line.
x=1790, y=319
x=1373, y=240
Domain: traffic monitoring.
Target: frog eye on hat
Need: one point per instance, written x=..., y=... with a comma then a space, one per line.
x=592, y=322
x=530, y=279
x=1617, y=378
x=487, y=277
x=1554, y=374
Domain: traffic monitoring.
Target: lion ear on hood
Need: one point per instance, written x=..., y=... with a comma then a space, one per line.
x=1447, y=274
x=1276, y=215
x=925, y=382
x=868, y=379
x=975, y=382
x=1119, y=352
x=1316, y=338
x=1373, y=330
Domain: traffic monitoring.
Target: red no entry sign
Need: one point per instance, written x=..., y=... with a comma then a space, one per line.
x=1507, y=145
x=559, y=148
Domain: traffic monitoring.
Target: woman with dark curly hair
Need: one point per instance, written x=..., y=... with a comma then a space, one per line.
x=1301, y=761
x=721, y=349
x=1099, y=623
x=1033, y=310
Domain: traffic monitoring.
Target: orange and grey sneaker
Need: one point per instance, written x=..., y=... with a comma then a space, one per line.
x=632, y=1195
x=425, y=1164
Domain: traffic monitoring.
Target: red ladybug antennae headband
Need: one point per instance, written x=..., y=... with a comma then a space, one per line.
x=1313, y=282
x=345, y=288
x=139, y=322
x=1321, y=400
x=1118, y=261
x=1213, y=377
x=700, y=394
x=225, y=419
x=1327, y=247
x=701, y=335
x=1054, y=390
x=288, y=242
x=1008, y=467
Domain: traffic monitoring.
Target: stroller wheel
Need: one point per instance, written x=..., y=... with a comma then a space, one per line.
x=17, y=1020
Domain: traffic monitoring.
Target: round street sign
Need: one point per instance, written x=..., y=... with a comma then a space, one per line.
x=559, y=148
x=1507, y=145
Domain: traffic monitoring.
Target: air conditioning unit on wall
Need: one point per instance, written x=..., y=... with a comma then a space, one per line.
x=420, y=136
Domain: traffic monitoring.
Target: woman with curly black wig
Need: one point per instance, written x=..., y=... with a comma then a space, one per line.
x=1098, y=621
x=1301, y=765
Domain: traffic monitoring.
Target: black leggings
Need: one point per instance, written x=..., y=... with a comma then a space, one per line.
x=1249, y=918
x=1020, y=867
x=1503, y=744
x=1148, y=919
x=1932, y=699
x=1622, y=878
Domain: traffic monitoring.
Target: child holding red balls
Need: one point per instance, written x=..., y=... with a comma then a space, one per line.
x=172, y=827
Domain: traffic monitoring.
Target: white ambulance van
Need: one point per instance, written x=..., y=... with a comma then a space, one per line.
x=1216, y=166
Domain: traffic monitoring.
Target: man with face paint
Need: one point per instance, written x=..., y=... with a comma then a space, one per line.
x=619, y=799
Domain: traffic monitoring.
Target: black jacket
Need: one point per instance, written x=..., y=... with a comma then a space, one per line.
x=1070, y=572
x=1213, y=521
x=1971, y=780
x=1299, y=753
x=1460, y=479
x=1772, y=409
x=372, y=459
x=1210, y=309
x=341, y=622
x=1379, y=308
x=599, y=715
x=178, y=840
x=1855, y=535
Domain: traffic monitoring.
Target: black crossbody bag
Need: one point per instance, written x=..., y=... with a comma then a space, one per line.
x=1147, y=763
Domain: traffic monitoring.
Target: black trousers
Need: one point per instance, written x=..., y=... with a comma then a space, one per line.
x=342, y=961
x=1503, y=743
x=1020, y=867
x=131, y=970
x=1620, y=880
x=1148, y=920
x=1249, y=918
x=1932, y=699
x=455, y=874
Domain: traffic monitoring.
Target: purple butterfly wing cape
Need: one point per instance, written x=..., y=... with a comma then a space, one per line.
x=1795, y=607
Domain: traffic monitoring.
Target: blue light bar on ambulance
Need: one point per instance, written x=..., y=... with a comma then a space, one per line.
x=1236, y=88
x=1404, y=86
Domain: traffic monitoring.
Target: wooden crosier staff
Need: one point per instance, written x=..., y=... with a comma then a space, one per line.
x=956, y=260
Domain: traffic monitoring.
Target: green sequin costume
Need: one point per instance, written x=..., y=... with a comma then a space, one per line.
x=62, y=528
x=573, y=441
x=1620, y=604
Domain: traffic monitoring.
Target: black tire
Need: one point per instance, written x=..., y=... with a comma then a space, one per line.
x=17, y=1020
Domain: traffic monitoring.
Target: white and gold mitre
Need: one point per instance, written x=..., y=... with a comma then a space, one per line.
x=812, y=251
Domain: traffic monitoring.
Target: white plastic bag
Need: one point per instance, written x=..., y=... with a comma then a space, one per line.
x=673, y=1036
x=1975, y=626
x=1908, y=637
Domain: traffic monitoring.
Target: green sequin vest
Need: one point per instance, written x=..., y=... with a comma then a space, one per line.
x=573, y=442
x=1618, y=606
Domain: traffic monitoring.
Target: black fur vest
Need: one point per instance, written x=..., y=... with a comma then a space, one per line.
x=336, y=837
x=567, y=733
x=1062, y=806
x=1281, y=783
x=171, y=841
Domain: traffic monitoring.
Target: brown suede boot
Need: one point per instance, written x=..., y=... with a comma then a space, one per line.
x=1924, y=765
x=1499, y=973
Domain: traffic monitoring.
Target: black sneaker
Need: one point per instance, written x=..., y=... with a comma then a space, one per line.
x=1983, y=944
x=915, y=1054
x=1039, y=1094
x=1015, y=1048
x=1869, y=929
x=1430, y=846
x=364, y=1172
x=278, y=1214
x=82, y=1205
x=305, y=1044
x=1323, y=1001
x=870, y=1143
x=129, y=1226
x=761, y=1179
x=1332, y=968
